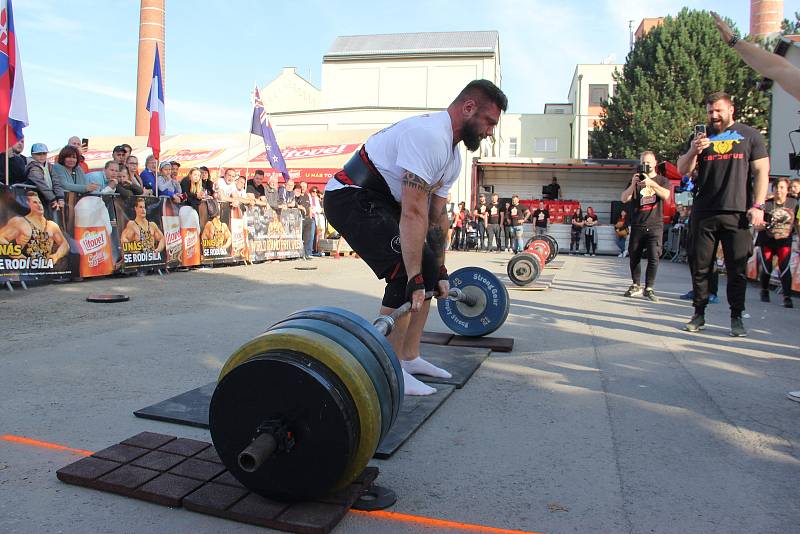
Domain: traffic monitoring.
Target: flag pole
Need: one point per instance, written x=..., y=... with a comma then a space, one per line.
x=6, y=152
x=249, y=138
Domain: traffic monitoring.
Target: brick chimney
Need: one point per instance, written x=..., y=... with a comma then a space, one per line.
x=765, y=17
x=151, y=32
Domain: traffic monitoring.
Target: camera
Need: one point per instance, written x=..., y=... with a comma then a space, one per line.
x=643, y=168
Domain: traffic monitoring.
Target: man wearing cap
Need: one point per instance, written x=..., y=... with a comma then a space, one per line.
x=16, y=164
x=39, y=172
x=119, y=155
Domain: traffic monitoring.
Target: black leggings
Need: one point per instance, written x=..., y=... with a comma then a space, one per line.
x=591, y=247
x=645, y=242
x=575, y=240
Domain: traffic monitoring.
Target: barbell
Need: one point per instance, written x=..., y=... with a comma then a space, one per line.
x=299, y=410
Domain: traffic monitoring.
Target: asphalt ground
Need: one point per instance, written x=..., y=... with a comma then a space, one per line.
x=606, y=417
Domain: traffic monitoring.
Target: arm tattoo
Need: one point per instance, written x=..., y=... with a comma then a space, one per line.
x=436, y=239
x=413, y=181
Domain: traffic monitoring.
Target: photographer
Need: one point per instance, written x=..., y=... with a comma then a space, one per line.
x=646, y=195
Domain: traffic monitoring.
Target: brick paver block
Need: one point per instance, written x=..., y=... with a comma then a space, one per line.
x=496, y=344
x=167, y=490
x=209, y=455
x=85, y=470
x=198, y=469
x=258, y=510
x=228, y=479
x=213, y=499
x=148, y=440
x=121, y=453
x=185, y=447
x=311, y=517
x=160, y=461
x=124, y=480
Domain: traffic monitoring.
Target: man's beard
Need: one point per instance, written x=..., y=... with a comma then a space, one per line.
x=718, y=127
x=471, y=136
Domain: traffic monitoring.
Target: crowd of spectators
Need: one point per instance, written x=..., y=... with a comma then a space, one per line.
x=122, y=176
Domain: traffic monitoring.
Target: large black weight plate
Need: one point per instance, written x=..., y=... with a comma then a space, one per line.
x=108, y=298
x=314, y=404
x=490, y=311
x=523, y=269
x=361, y=353
x=553, y=246
x=376, y=342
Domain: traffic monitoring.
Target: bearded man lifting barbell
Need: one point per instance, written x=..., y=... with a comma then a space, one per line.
x=390, y=205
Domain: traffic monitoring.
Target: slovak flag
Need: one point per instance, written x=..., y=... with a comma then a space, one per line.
x=13, y=107
x=155, y=105
x=262, y=127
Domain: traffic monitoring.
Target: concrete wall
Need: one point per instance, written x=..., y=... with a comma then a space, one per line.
x=784, y=119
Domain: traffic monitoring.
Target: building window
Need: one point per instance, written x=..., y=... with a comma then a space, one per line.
x=545, y=144
x=598, y=94
x=512, y=147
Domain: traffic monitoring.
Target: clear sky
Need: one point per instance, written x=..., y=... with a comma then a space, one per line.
x=79, y=58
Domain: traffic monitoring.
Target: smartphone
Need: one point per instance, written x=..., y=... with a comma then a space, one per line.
x=700, y=129
x=85, y=143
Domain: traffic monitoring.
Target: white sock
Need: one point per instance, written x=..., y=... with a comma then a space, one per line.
x=418, y=366
x=415, y=387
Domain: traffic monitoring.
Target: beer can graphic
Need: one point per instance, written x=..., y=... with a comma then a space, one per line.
x=190, y=234
x=93, y=235
x=172, y=232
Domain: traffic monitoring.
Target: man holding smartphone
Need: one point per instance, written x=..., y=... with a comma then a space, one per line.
x=732, y=178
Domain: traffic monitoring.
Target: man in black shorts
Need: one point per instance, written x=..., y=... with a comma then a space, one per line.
x=389, y=204
x=726, y=202
x=647, y=193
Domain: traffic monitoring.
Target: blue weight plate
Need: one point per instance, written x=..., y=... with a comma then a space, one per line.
x=490, y=311
x=367, y=334
x=359, y=352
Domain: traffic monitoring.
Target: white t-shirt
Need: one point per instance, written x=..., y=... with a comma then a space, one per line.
x=422, y=145
x=225, y=189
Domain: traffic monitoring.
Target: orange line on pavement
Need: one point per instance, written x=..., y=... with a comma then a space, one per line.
x=441, y=523
x=42, y=444
x=393, y=516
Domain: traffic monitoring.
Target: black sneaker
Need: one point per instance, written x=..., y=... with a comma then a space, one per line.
x=764, y=295
x=634, y=291
x=737, y=327
x=787, y=302
x=698, y=322
x=650, y=295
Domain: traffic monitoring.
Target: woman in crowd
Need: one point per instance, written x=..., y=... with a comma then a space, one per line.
x=575, y=230
x=167, y=185
x=451, y=212
x=459, y=222
x=133, y=167
x=621, y=231
x=589, y=223
x=319, y=218
x=127, y=186
x=192, y=186
x=68, y=170
x=148, y=175
x=208, y=183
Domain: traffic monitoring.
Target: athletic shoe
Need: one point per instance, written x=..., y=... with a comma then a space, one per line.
x=737, y=327
x=698, y=322
x=764, y=295
x=619, y=255
x=713, y=299
x=625, y=254
x=634, y=291
x=593, y=254
x=650, y=295
x=787, y=302
x=794, y=395
x=690, y=295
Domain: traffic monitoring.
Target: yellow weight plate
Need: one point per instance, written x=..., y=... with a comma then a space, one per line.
x=340, y=362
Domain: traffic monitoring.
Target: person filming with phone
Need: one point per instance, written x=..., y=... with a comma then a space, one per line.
x=646, y=194
x=732, y=177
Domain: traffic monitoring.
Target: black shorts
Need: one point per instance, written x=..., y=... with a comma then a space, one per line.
x=370, y=223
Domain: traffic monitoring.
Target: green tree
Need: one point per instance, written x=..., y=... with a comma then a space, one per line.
x=660, y=93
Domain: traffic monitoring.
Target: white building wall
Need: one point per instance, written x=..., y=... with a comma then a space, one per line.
x=585, y=115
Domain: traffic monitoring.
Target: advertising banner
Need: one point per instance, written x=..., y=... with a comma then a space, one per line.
x=190, y=236
x=142, y=239
x=216, y=238
x=91, y=221
x=239, y=245
x=32, y=244
x=171, y=224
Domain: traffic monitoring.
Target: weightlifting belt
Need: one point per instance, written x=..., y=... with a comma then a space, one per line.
x=361, y=172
